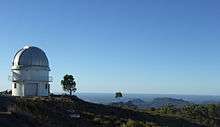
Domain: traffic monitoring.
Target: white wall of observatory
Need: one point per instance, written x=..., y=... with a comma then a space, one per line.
x=32, y=81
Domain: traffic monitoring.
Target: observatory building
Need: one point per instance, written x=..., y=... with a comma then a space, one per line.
x=30, y=72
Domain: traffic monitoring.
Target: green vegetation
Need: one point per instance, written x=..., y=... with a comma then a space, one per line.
x=70, y=111
x=207, y=115
x=132, y=123
x=118, y=95
x=68, y=84
x=5, y=93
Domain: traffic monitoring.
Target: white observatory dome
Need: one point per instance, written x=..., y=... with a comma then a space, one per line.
x=30, y=56
x=30, y=72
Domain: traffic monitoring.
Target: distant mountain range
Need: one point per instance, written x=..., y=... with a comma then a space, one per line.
x=106, y=98
x=155, y=103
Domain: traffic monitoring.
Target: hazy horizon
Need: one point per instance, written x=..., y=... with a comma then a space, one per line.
x=160, y=47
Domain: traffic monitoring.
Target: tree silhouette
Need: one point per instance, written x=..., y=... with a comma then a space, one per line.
x=68, y=84
x=118, y=95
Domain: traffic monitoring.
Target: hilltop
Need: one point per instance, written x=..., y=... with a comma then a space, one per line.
x=68, y=111
x=155, y=103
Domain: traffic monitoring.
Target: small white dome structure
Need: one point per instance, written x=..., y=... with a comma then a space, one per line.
x=30, y=72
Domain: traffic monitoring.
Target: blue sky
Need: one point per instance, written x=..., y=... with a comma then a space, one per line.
x=144, y=46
